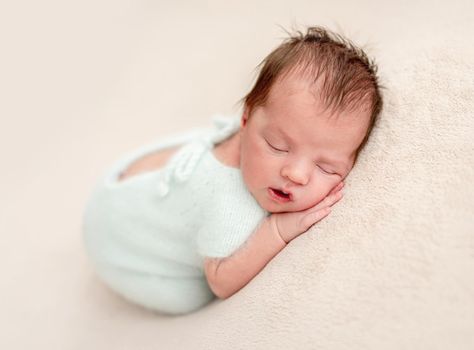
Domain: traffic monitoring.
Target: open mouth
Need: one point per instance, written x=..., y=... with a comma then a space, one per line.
x=279, y=195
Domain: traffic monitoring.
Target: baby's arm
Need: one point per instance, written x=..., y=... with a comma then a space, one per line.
x=226, y=276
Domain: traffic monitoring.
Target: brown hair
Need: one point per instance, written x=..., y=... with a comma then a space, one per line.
x=349, y=77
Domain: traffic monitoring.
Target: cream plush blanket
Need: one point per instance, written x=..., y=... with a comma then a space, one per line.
x=393, y=266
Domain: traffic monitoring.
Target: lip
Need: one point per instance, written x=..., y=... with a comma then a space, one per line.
x=277, y=198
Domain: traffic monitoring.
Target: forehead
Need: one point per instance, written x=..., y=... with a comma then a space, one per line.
x=295, y=100
x=340, y=133
x=295, y=111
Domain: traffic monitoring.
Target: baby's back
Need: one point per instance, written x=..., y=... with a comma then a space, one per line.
x=149, y=162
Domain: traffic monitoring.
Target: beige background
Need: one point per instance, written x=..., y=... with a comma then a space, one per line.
x=83, y=82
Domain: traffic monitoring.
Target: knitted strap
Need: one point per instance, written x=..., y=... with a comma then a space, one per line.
x=181, y=166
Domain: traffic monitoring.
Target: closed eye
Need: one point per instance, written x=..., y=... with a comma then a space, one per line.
x=276, y=149
x=325, y=171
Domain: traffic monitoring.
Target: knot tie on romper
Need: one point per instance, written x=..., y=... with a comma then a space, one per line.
x=181, y=166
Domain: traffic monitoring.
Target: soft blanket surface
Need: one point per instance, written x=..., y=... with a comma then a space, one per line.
x=392, y=266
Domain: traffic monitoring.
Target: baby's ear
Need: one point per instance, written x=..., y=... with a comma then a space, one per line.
x=245, y=117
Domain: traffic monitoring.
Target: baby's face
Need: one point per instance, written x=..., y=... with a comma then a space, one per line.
x=291, y=145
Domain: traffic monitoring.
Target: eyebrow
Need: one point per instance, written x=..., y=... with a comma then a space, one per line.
x=339, y=164
x=284, y=134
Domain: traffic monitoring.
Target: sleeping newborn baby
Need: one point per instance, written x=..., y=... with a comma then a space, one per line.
x=199, y=214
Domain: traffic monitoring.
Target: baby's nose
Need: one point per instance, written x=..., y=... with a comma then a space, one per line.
x=297, y=173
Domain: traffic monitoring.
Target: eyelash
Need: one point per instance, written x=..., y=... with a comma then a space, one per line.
x=324, y=171
x=280, y=150
x=276, y=149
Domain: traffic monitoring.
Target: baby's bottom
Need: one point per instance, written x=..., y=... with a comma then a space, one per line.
x=108, y=219
x=162, y=294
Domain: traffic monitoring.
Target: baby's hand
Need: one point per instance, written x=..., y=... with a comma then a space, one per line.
x=291, y=225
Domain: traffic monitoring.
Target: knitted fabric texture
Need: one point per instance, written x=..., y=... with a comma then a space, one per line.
x=165, y=222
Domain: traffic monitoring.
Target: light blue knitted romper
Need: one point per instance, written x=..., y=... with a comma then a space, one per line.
x=147, y=235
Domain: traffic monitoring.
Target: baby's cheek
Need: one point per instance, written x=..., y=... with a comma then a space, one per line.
x=320, y=192
x=316, y=199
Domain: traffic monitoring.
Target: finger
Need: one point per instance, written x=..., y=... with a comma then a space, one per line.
x=310, y=219
x=339, y=186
